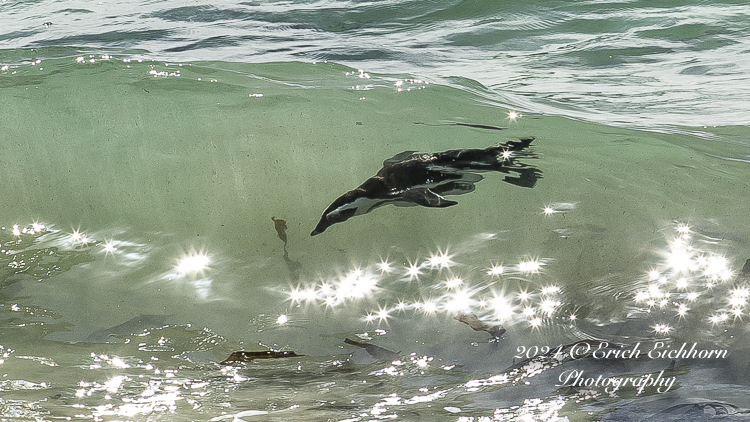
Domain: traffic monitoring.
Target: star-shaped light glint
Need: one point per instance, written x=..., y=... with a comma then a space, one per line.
x=383, y=315
x=413, y=271
x=109, y=247
x=683, y=229
x=523, y=295
x=738, y=297
x=193, y=263
x=440, y=260
x=295, y=295
x=718, y=318
x=495, y=270
x=531, y=266
x=385, y=266
x=428, y=307
x=548, y=306
x=330, y=302
x=662, y=329
x=681, y=283
x=737, y=313
x=549, y=290
x=80, y=238
x=454, y=283
x=502, y=308
x=460, y=301
x=507, y=154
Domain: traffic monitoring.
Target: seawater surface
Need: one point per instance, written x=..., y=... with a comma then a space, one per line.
x=645, y=63
x=139, y=251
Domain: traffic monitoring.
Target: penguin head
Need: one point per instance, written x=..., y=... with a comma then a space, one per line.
x=371, y=194
x=341, y=210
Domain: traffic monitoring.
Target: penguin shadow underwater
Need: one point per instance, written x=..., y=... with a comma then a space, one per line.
x=295, y=267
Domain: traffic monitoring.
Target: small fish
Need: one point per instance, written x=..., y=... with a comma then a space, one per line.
x=294, y=266
x=280, y=226
x=242, y=356
x=472, y=321
x=375, y=351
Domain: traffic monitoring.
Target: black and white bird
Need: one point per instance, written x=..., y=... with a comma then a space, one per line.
x=410, y=179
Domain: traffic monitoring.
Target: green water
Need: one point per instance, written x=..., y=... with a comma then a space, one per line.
x=164, y=160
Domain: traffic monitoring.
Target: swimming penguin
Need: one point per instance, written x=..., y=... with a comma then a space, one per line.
x=410, y=179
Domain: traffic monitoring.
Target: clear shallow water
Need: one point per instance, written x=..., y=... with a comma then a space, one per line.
x=154, y=255
x=152, y=176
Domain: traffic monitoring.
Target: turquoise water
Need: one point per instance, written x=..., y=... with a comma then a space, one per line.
x=145, y=154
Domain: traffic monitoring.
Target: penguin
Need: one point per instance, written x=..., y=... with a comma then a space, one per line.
x=411, y=179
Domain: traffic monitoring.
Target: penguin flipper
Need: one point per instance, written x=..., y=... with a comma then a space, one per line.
x=427, y=198
x=398, y=158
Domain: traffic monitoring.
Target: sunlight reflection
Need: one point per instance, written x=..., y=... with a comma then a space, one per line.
x=460, y=301
x=193, y=263
x=440, y=260
x=407, y=85
x=80, y=238
x=531, y=266
x=470, y=293
x=413, y=271
x=503, y=310
x=523, y=294
x=558, y=208
x=385, y=266
x=495, y=270
x=109, y=247
x=684, y=267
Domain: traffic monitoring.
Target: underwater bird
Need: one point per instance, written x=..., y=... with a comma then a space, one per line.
x=409, y=179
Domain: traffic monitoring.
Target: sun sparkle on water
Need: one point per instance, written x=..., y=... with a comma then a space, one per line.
x=531, y=266
x=440, y=260
x=666, y=287
x=496, y=270
x=413, y=271
x=193, y=263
